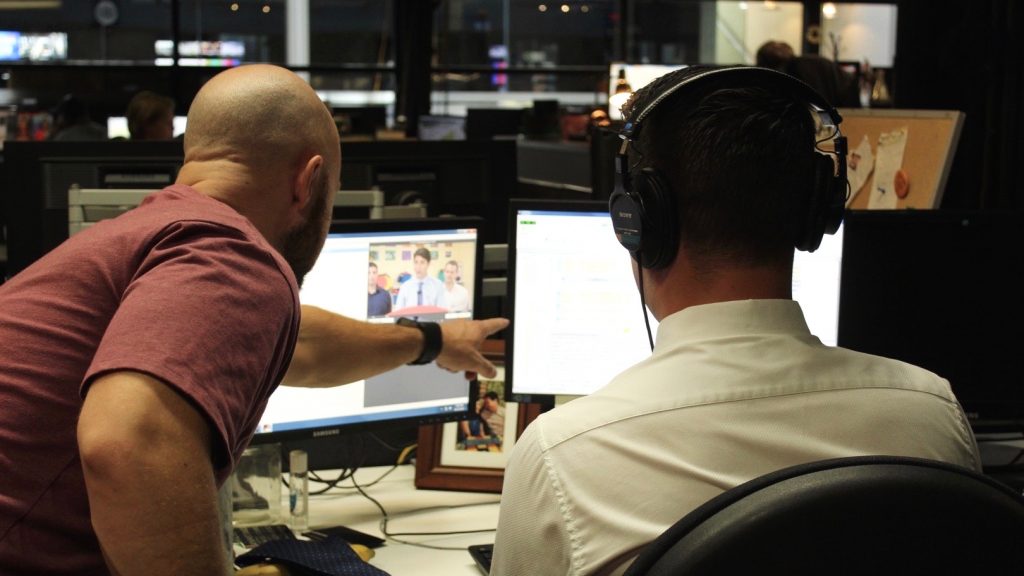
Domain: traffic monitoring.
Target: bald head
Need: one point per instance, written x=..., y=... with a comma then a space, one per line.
x=260, y=140
x=259, y=115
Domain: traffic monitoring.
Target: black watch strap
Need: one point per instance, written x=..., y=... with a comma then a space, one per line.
x=431, y=339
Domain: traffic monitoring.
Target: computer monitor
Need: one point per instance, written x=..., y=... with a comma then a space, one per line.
x=36, y=193
x=575, y=312
x=117, y=126
x=359, y=120
x=488, y=123
x=942, y=290
x=338, y=282
x=636, y=76
x=441, y=128
x=575, y=308
x=458, y=178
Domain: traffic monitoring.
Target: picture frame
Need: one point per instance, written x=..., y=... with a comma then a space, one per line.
x=451, y=457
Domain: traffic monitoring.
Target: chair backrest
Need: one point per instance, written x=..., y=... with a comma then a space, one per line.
x=856, y=515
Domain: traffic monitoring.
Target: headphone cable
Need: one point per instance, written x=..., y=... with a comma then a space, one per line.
x=643, y=303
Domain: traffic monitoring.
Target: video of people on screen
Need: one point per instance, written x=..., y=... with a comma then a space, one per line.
x=420, y=280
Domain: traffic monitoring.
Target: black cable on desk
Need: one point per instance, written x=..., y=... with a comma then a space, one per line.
x=393, y=535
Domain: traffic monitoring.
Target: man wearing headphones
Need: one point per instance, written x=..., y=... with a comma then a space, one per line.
x=719, y=180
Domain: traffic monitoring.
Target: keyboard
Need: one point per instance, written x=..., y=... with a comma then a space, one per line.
x=253, y=536
x=482, y=554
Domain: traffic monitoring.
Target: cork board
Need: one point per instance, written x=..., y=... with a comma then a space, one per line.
x=910, y=153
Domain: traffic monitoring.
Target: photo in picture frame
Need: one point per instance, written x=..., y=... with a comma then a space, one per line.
x=471, y=454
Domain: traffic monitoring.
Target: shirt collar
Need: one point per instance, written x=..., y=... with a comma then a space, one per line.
x=727, y=319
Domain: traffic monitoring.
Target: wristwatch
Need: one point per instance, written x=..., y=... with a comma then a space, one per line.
x=431, y=339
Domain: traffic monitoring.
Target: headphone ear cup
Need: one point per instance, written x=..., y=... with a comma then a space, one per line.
x=658, y=208
x=627, y=220
x=821, y=205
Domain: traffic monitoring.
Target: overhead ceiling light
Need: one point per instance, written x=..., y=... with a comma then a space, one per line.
x=828, y=10
x=543, y=8
x=769, y=5
x=565, y=8
x=743, y=6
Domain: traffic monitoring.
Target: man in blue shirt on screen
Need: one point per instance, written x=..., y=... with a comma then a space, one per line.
x=421, y=289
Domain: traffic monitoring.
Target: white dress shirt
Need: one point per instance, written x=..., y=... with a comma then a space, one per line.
x=733, y=391
x=428, y=291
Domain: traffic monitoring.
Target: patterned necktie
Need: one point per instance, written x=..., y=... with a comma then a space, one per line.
x=329, y=557
x=419, y=294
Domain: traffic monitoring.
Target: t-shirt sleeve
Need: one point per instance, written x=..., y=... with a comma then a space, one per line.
x=212, y=314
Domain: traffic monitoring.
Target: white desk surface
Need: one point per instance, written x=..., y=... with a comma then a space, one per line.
x=410, y=510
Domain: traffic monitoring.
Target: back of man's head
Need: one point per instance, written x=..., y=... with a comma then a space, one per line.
x=259, y=115
x=774, y=54
x=739, y=159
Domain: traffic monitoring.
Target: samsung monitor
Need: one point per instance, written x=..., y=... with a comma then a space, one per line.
x=575, y=308
x=941, y=290
x=383, y=254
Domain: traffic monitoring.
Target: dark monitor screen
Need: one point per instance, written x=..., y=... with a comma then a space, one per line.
x=458, y=178
x=575, y=307
x=339, y=282
x=441, y=128
x=487, y=123
x=941, y=290
x=37, y=177
x=359, y=120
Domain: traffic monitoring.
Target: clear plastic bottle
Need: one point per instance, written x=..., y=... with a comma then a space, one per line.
x=298, y=491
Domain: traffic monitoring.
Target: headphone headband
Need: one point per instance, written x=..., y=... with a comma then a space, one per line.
x=642, y=204
x=744, y=75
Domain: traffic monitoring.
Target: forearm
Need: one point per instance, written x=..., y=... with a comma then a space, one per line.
x=152, y=494
x=333, y=349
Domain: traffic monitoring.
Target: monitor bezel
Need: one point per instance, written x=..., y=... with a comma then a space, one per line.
x=514, y=206
x=383, y=226
x=892, y=240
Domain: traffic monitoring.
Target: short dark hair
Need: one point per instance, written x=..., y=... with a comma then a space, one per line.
x=739, y=161
x=422, y=253
x=144, y=109
x=774, y=54
x=492, y=395
x=372, y=265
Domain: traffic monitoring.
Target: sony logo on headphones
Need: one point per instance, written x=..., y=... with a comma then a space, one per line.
x=625, y=215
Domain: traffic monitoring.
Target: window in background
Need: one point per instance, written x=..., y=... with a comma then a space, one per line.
x=723, y=32
x=100, y=32
x=258, y=26
x=352, y=53
x=502, y=53
x=859, y=33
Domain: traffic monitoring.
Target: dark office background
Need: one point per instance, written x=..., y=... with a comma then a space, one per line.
x=950, y=55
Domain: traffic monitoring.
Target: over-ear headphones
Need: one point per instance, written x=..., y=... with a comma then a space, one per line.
x=642, y=205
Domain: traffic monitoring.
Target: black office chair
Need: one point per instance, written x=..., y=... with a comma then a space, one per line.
x=857, y=515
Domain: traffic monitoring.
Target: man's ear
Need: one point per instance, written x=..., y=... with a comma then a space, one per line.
x=305, y=182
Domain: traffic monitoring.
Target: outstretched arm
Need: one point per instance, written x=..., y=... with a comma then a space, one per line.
x=333, y=349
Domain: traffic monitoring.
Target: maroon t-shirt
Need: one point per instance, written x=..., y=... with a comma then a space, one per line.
x=182, y=288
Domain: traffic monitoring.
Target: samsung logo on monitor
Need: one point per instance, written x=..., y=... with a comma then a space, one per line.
x=322, y=433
